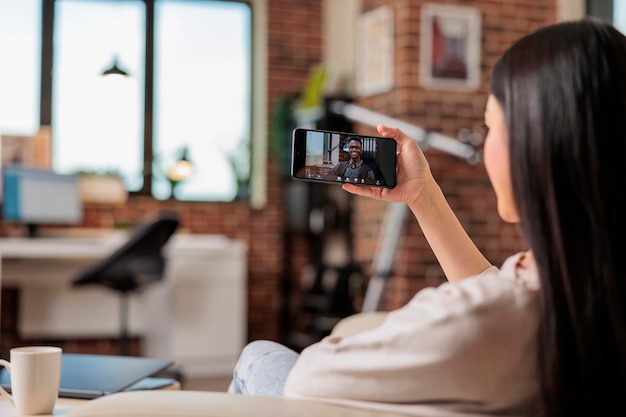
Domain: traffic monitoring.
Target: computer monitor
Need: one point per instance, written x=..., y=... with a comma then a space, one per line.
x=36, y=196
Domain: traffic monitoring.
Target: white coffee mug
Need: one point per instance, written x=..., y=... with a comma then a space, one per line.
x=35, y=377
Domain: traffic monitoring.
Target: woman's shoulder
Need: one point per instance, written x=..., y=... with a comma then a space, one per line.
x=518, y=268
x=496, y=289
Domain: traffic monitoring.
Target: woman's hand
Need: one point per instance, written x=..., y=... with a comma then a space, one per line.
x=457, y=254
x=413, y=171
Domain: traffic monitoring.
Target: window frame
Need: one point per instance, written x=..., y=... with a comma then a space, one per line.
x=258, y=122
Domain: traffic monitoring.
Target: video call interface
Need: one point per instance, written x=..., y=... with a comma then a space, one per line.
x=340, y=157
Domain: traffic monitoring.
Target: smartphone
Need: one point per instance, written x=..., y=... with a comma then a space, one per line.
x=339, y=157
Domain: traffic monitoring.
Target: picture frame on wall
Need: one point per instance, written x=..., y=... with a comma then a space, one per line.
x=450, y=47
x=374, y=52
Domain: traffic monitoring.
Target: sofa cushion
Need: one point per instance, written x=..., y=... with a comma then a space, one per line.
x=209, y=404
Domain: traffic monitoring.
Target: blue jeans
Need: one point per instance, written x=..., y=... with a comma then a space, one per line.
x=262, y=369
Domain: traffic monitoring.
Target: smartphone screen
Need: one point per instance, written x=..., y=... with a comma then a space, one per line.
x=339, y=157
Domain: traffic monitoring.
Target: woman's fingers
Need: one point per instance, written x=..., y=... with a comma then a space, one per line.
x=412, y=171
x=393, y=132
x=365, y=191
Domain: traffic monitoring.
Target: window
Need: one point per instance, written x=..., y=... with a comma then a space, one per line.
x=199, y=95
x=198, y=100
x=202, y=95
x=619, y=14
x=97, y=122
x=20, y=52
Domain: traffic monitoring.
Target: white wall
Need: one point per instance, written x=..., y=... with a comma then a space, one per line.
x=339, y=44
x=570, y=9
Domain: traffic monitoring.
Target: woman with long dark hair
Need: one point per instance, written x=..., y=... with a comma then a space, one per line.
x=545, y=334
x=563, y=91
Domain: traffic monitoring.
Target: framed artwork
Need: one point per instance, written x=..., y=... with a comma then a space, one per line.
x=374, y=52
x=450, y=47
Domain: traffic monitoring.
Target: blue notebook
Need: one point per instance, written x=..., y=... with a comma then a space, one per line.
x=88, y=376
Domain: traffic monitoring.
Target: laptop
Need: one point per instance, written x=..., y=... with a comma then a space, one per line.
x=87, y=376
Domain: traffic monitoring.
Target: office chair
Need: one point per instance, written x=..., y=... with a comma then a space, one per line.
x=133, y=265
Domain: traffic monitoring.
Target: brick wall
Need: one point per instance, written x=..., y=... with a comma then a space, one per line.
x=260, y=228
x=295, y=45
x=466, y=186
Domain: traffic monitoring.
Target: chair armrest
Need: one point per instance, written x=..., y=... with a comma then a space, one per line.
x=210, y=404
x=358, y=323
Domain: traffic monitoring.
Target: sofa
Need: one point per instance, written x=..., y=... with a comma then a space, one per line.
x=210, y=404
x=215, y=404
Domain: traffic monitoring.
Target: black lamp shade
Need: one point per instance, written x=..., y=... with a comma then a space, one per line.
x=115, y=70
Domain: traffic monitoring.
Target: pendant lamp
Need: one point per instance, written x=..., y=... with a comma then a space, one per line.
x=115, y=70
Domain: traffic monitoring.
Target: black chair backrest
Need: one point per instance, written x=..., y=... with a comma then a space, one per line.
x=136, y=263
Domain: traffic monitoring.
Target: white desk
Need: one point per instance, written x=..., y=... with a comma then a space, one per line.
x=62, y=407
x=195, y=316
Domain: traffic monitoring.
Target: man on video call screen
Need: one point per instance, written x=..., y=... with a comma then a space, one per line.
x=354, y=167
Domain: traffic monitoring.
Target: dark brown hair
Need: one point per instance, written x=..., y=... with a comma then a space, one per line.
x=563, y=91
